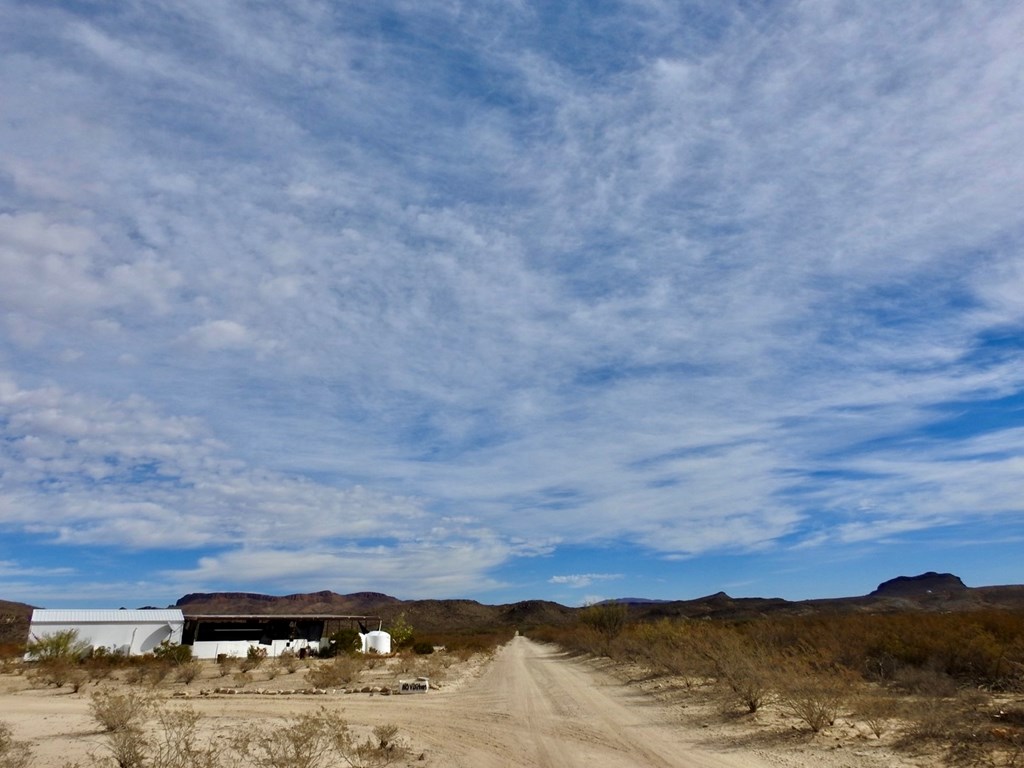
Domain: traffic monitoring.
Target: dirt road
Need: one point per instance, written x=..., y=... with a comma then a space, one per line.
x=535, y=707
x=531, y=707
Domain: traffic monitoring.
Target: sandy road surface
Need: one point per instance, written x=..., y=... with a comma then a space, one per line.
x=535, y=707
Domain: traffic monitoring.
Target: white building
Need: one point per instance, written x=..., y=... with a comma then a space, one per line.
x=209, y=635
x=128, y=632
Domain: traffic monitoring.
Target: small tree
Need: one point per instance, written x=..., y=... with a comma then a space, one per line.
x=607, y=619
x=401, y=631
x=57, y=646
x=254, y=656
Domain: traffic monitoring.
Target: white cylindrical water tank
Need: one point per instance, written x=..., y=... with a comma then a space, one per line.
x=377, y=641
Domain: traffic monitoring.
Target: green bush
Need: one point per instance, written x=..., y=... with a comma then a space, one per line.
x=63, y=645
x=174, y=654
x=340, y=643
x=401, y=632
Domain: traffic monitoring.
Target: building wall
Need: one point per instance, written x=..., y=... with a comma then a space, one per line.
x=211, y=649
x=131, y=638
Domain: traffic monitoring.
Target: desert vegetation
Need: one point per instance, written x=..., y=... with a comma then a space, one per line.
x=141, y=725
x=143, y=721
x=139, y=732
x=948, y=682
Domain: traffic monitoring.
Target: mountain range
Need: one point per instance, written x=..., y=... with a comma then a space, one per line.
x=926, y=592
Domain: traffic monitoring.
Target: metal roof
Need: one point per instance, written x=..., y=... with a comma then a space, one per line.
x=277, y=616
x=74, y=616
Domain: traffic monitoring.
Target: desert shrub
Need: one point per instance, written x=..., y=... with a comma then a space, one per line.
x=120, y=711
x=683, y=648
x=962, y=726
x=254, y=657
x=127, y=748
x=423, y=648
x=464, y=644
x=13, y=754
x=137, y=674
x=931, y=719
x=317, y=740
x=177, y=743
x=173, y=743
x=173, y=654
x=77, y=679
x=225, y=664
x=242, y=678
x=814, y=697
x=58, y=673
x=385, y=735
x=187, y=672
x=924, y=681
x=289, y=662
x=981, y=648
x=607, y=619
x=746, y=667
x=878, y=711
x=434, y=667
x=102, y=662
x=147, y=670
x=381, y=749
x=63, y=645
x=334, y=672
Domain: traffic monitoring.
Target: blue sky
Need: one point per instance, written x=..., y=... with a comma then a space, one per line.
x=509, y=300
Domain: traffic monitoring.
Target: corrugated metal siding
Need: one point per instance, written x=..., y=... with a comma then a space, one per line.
x=54, y=616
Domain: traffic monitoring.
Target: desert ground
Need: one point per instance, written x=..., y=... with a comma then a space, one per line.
x=527, y=705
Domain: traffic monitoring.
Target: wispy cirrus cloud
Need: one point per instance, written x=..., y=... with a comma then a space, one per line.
x=336, y=284
x=581, y=580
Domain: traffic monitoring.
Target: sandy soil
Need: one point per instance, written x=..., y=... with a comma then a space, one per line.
x=528, y=706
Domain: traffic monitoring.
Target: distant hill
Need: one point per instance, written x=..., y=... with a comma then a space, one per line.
x=918, y=586
x=314, y=602
x=926, y=592
x=423, y=615
x=14, y=621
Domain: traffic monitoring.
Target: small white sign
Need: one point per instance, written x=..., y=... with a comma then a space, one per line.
x=419, y=685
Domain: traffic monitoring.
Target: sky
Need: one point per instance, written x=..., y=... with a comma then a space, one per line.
x=506, y=300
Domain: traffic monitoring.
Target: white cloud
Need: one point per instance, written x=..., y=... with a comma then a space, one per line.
x=221, y=334
x=662, y=293
x=581, y=580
